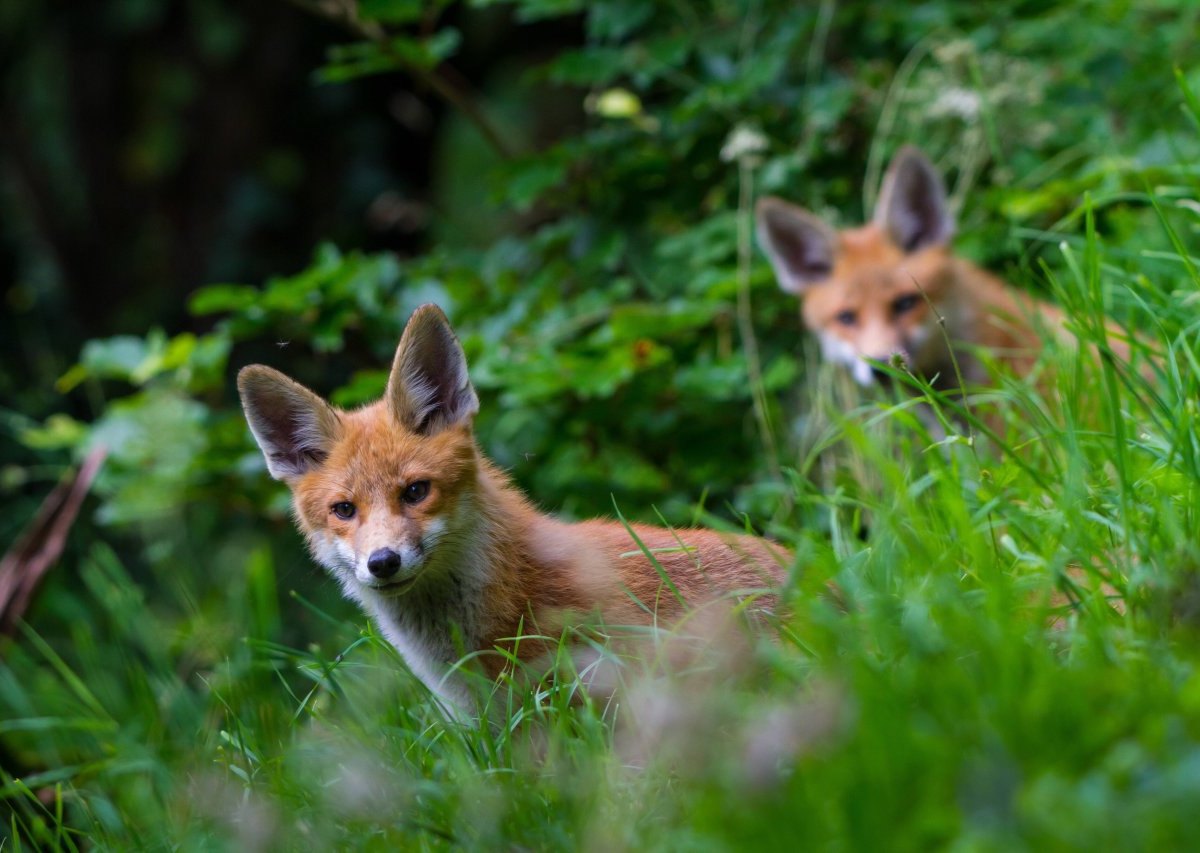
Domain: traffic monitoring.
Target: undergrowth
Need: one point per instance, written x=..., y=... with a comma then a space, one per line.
x=989, y=635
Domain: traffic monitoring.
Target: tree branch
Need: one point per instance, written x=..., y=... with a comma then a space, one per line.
x=42, y=542
x=345, y=14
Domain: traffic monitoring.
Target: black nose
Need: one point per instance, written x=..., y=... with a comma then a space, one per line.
x=384, y=563
x=881, y=376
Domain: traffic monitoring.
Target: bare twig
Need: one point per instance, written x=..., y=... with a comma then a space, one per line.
x=345, y=14
x=42, y=542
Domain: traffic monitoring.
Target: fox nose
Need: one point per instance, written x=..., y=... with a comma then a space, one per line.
x=880, y=375
x=383, y=563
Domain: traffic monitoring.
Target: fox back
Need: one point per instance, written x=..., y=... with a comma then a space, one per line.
x=893, y=289
x=400, y=506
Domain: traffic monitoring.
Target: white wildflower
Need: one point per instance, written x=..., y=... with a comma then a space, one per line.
x=957, y=102
x=953, y=51
x=743, y=141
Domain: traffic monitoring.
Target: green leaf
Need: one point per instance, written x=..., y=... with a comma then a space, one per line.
x=348, y=62
x=592, y=66
x=58, y=432
x=365, y=386
x=114, y=358
x=529, y=11
x=154, y=439
x=392, y=11
x=222, y=298
x=613, y=21
x=533, y=179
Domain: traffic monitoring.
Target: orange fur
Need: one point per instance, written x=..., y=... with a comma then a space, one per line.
x=979, y=310
x=479, y=565
x=893, y=288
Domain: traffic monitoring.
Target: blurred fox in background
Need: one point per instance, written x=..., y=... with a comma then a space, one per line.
x=892, y=291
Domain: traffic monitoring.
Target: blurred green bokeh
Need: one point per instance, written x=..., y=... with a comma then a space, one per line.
x=189, y=187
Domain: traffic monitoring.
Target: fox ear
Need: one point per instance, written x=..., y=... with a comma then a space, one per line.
x=912, y=203
x=429, y=390
x=294, y=428
x=800, y=246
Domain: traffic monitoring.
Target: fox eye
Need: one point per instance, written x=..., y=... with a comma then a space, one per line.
x=846, y=318
x=905, y=303
x=416, y=492
x=344, y=510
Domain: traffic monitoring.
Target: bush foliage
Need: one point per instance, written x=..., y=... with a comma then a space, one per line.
x=187, y=678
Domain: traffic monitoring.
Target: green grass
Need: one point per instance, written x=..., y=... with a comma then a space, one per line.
x=1010, y=658
x=1012, y=664
x=971, y=694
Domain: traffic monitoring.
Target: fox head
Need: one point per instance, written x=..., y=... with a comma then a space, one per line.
x=383, y=493
x=869, y=293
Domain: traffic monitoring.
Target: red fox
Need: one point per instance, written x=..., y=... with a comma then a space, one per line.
x=885, y=289
x=440, y=549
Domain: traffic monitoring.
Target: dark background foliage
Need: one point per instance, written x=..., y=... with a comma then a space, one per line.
x=553, y=175
x=188, y=187
x=568, y=203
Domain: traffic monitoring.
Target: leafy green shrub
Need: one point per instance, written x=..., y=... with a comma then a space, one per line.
x=629, y=344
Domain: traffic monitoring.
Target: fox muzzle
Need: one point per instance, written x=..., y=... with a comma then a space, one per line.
x=383, y=563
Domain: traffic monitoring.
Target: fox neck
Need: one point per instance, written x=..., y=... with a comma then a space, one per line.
x=964, y=312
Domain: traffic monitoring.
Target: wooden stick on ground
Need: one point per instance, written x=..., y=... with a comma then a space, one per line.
x=36, y=550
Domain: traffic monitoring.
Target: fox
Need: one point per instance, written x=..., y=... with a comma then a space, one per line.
x=438, y=546
x=893, y=290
